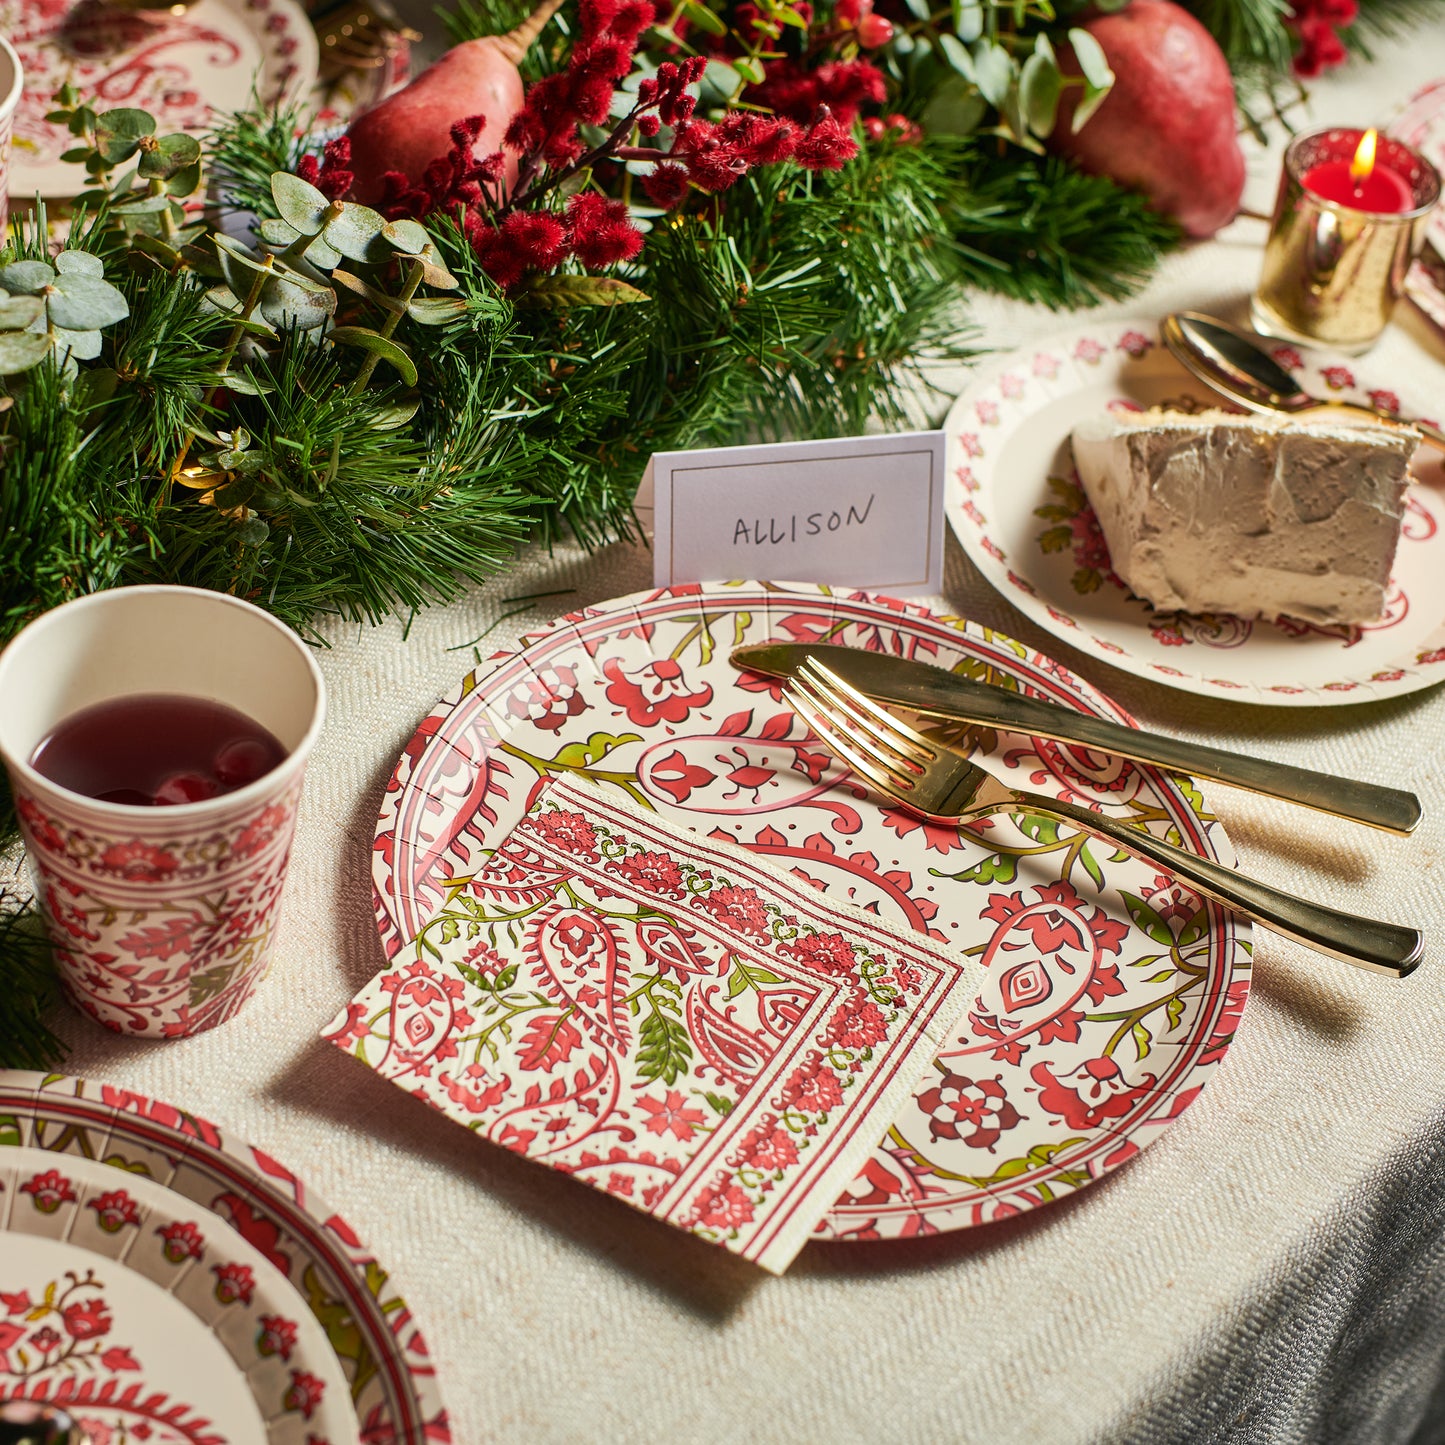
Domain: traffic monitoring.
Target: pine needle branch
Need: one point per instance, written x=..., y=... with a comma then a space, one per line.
x=1036, y=229
x=31, y=988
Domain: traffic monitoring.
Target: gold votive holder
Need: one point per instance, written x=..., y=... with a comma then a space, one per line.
x=1332, y=271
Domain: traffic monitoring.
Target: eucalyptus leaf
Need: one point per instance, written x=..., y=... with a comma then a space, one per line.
x=958, y=57
x=244, y=383
x=141, y=206
x=357, y=286
x=1093, y=63
x=434, y=273
x=357, y=234
x=77, y=344
x=995, y=70
x=1014, y=124
x=1092, y=100
x=232, y=494
x=719, y=81
x=224, y=300
x=322, y=255
x=955, y=108
x=389, y=418
x=750, y=70
x=377, y=345
x=920, y=8
x=436, y=310
x=304, y=276
x=85, y=303
x=170, y=154
x=299, y=202
x=704, y=18
x=18, y=312
x=285, y=304
x=559, y=293
x=20, y=350
x=162, y=251
x=276, y=232
x=408, y=237
x=118, y=133
x=184, y=181
x=237, y=259
x=79, y=263
x=1040, y=85
x=253, y=531
x=26, y=277
x=967, y=20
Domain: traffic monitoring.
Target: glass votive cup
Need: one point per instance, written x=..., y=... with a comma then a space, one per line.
x=162, y=919
x=1333, y=272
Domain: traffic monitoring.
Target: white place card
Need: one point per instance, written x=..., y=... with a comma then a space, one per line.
x=855, y=512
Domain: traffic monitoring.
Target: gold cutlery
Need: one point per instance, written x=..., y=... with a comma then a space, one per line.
x=948, y=788
x=936, y=692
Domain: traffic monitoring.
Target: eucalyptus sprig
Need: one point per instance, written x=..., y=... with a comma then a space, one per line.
x=147, y=203
x=59, y=309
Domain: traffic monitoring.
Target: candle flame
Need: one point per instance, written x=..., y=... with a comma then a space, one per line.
x=1364, y=161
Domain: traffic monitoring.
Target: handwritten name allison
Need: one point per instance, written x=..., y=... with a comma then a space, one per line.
x=763, y=531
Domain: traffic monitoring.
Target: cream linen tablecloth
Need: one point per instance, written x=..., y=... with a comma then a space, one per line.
x=1273, y=1268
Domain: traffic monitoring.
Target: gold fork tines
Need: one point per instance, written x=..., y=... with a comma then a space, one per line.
x=824, y=696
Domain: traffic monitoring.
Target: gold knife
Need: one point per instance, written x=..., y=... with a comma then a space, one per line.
x=936, y=692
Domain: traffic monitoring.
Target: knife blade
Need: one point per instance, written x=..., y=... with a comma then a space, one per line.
x=936, y=692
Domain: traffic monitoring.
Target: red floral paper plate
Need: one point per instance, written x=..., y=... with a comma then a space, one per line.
x=165, y=1285
x=1112, y=993
x=1016, y=506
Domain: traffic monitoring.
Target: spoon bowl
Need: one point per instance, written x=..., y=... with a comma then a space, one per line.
x=1233, y=363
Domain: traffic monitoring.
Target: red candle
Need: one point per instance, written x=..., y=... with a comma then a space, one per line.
x=1361, y=184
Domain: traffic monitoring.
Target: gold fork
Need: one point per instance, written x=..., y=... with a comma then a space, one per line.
x=947, y=788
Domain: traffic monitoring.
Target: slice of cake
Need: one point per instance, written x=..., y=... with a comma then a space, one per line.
x=1259, y=516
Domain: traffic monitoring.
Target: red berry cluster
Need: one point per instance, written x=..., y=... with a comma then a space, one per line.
x=790, y=88
x=331, y=175
x=514, y=224
x=1318, y=23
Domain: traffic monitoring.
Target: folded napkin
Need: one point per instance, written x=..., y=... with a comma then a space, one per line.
x=665, y=1016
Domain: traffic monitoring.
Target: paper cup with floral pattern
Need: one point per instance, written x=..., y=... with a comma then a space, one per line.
x=163, y=918
x=11, y=85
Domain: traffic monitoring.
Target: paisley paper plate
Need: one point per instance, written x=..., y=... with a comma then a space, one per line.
x=1015, y=503
x=1112, y=994
x=188, y=70
x=165, y=1285
x=1420, y=122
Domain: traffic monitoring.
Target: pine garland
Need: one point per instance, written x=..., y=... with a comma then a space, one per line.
x=1036, y=229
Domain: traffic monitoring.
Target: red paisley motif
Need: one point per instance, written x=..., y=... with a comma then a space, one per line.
x=580, y=959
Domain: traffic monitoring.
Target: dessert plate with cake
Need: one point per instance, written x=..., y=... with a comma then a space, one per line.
x=1282, y=560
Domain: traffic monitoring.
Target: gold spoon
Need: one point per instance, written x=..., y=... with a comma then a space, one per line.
x=1234, y=364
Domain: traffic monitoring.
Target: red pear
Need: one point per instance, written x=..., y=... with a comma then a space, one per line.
x=412, y=128
x=1168, y=127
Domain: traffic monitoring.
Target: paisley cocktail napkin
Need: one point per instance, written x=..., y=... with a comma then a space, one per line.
x=665, y=1016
